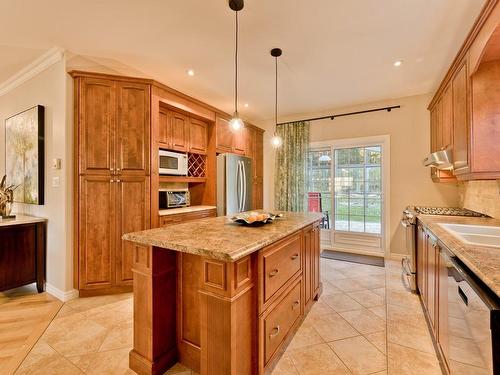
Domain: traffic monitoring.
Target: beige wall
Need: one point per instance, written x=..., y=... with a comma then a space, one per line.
x=408, y=128
x=482, y=196
x=49, y=88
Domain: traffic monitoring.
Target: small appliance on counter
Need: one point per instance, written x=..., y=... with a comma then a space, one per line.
x=172, y=163
x=173, y=198
x=409, y=222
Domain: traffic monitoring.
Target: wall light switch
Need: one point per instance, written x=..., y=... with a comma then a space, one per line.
x=55, y=181
x=56, y=163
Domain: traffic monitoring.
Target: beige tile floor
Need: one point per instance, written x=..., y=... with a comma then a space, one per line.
x=364, y=323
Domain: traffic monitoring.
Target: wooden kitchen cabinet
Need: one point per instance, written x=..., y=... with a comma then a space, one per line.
x=224, y=138
x=422, y=262
x=240, y=141
x=198, y=142
x=461, y=121
x=431, y=273
x=464, y=110
x=442, y=304
x=132, y=215
x=96, y=116
x=112, y=146
x=255, y=150
x=179, y=130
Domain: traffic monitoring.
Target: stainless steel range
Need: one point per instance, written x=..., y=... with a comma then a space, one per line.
x=409, y=222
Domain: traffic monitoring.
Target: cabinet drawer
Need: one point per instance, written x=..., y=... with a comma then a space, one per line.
x=279, y=264
x=184, y=217
x=280, y=320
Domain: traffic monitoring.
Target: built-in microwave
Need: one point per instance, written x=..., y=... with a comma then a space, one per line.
x=172, y=198
x=172, y=163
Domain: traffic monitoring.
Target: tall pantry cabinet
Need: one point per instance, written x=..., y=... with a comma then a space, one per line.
x=112, y=147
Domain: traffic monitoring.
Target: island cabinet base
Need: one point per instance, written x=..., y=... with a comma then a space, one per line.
x=219, y=317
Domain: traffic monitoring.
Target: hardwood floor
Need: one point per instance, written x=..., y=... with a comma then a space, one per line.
x=24, y=316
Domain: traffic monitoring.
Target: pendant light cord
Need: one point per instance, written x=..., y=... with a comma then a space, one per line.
x=236, y=68
x=276, y=91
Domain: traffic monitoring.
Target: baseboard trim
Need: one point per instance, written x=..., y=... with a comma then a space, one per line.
x=59, y=294
x=49, y=58
x=354, y=258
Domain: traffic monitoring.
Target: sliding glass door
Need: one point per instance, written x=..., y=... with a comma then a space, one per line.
x=346, y=183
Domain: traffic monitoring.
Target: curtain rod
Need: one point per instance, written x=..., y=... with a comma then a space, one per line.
x=332, y=117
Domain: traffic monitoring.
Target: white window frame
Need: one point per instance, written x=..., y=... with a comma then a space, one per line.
x=328, y=236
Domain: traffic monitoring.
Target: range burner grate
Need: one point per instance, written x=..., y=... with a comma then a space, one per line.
x=448, y=211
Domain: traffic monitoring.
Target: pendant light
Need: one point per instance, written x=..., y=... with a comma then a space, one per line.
x=276, y=140
x=236, y=122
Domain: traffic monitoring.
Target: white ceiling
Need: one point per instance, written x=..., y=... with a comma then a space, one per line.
x=335, y=53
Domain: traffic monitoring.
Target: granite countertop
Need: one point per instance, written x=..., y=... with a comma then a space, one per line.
x=183, y=210
x=220, y=238
x=21, y=219
x=483, y=261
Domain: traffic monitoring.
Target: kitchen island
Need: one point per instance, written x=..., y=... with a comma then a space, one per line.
x=219, y=297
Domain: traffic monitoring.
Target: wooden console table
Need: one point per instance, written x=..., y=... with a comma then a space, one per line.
x=22, y=252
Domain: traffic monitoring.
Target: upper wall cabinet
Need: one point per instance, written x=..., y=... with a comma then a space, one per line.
x=228, y=140
x=198, y=132
x=464, y=112
x=113, y=126
x=179, y=132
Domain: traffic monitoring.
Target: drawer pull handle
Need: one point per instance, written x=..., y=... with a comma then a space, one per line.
x=273, y=272
x=275, y=332
x=294, y=256
x=296, y=303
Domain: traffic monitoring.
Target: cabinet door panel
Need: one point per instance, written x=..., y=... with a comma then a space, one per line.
x=432, y=253
x=133, y=214
x=442, y=304
x=240, y=141
x=164, y=130
x=197, y=136
x=179, y=131
x=224, y=136
x=308, y=245
x=486, y=118
x=132, y=135
x=96, y=235
x=461, y=123
x=447, y=119
x=421, y=260
x=315, y=259
x=96, y=125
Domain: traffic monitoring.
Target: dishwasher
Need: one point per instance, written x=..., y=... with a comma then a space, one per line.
x=473, y=321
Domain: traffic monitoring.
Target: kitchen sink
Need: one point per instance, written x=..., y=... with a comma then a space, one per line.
x=481, y=235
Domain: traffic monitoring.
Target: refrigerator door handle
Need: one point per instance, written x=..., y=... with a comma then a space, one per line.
x=240, y=182
x=243, y=206
x=238, y=185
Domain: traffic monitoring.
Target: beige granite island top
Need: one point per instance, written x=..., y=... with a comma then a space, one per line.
x=220, y=238
x=483, y=261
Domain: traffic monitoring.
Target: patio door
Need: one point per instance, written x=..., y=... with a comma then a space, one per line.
x=347, y=182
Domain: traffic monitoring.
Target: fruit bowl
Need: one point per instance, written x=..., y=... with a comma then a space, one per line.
x=255, y=218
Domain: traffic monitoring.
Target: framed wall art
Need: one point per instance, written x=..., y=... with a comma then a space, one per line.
x=24, y=154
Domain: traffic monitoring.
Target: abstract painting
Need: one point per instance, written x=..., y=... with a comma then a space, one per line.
x=24, y=154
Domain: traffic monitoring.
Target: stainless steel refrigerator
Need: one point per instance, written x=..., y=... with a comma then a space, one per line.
x=234, y=184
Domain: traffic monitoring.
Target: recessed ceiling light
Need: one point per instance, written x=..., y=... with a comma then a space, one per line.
x=398, y=63
x=190, y=72
x=246, y=105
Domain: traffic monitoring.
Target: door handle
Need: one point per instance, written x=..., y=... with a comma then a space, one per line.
x=274, y=272
x=275, y=332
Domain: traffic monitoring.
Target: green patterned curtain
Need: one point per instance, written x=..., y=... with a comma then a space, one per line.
x=290, y=173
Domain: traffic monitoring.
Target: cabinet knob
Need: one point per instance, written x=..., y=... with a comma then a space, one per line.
x=294, y=256
x=273, y=272
x=118, y=181
x=296, y=303
x=275, y=332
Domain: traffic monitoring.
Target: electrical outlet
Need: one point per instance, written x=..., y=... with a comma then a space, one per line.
x=56, y=163
x=55, y=181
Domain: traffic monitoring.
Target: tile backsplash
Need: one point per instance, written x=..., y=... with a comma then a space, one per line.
x=482, y=196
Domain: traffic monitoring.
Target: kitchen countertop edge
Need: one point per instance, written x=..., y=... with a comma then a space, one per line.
x=142, y=238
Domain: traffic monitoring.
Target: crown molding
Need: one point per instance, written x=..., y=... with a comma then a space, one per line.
x=49, y=58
